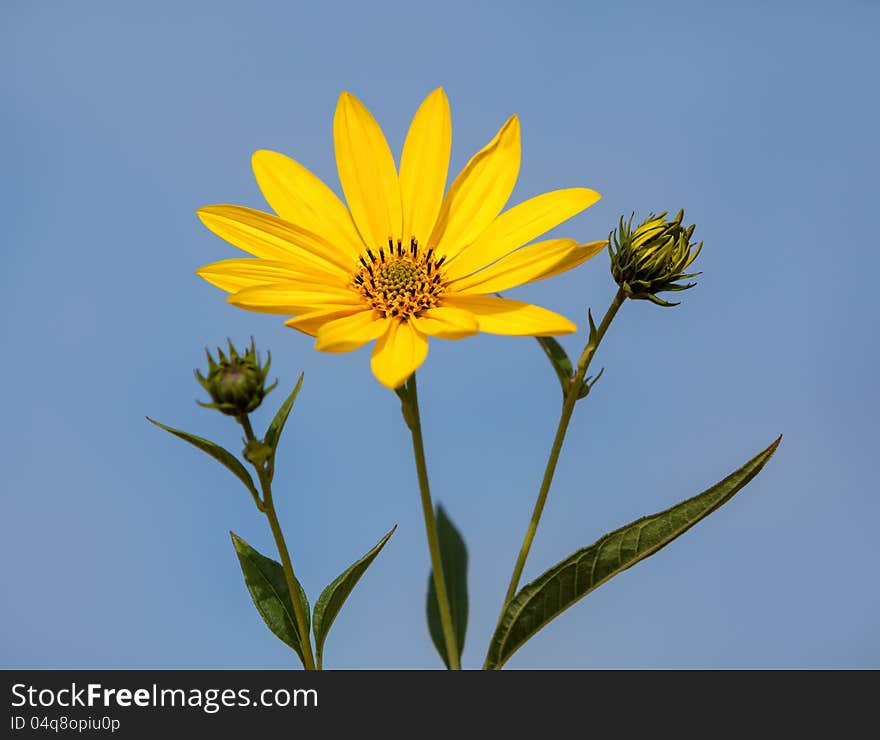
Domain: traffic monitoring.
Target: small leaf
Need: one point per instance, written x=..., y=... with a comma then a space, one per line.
x=594, y=332
x=406, y=409
x=585, y=570
x=559, y=359
x=333, y=597
x=273, y=433
x=588, y=383
x=402, y=392
x=453, y=556
x=267, y=585
x=220, y=454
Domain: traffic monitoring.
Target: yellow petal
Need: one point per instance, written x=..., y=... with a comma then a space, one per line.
x=292, y=298
x=267, y=236
x=424, y=165
x=534, y=262
x=367, y=172
x=299, y=197
x=309, y=323
x=576, y=257
x=513, y=318
x=520, y=225
x=398, y=353
x=479, y=192
x=350, y=332
x=446, y=323
x=233, y=275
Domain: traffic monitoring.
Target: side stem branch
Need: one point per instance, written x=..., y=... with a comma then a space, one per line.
x=571, y=398
x=268, y=508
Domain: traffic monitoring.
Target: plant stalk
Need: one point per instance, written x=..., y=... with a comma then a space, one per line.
x=569, y=402
x=409, y=395
x=268, y=508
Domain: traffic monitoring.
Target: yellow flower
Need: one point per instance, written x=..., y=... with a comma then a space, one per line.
x=402, y=262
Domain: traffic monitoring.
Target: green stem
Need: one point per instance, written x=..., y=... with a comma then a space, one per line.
x=292, y=586
x=409, y=395
x=268, y=508
x=571, y=398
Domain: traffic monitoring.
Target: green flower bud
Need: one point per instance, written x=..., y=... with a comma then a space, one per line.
x=654, y=257
x=236, y=383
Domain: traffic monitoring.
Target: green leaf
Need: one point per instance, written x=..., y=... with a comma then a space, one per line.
x=453, y=556
x=220, y=454
x=559, y=359
x=333, y=597
x=273, y=433
x=588, y=383
x=594, y=332
x=267, y=585
x=570, y=580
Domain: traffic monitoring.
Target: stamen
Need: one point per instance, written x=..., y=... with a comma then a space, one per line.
x=401, y=283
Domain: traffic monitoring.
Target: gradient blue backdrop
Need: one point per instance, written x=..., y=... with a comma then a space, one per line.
x=120, y=119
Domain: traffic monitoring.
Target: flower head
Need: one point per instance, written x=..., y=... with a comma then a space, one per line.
x=402, y=261
x=654, y=257
x=236, y=384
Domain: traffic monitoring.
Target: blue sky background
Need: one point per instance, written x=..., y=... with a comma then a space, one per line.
x=120, y=119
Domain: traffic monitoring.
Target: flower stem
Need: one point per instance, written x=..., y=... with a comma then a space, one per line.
x=268, y=508
x=571, y=398
x=292, y=586
x=410, y=397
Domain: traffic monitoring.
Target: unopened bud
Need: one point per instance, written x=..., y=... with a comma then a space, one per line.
x=237, y=383
x=653, y=257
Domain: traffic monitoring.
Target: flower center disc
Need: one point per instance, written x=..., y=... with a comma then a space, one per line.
x=400, y=282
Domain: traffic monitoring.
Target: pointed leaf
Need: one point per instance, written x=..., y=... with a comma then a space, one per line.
x=588, y=383
x=333, y=597
x=267, y=585
x=273, y=433
x=453, y=556
x=558, y=359
x=594, y=332
x=220, y=454
x=570, y=580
